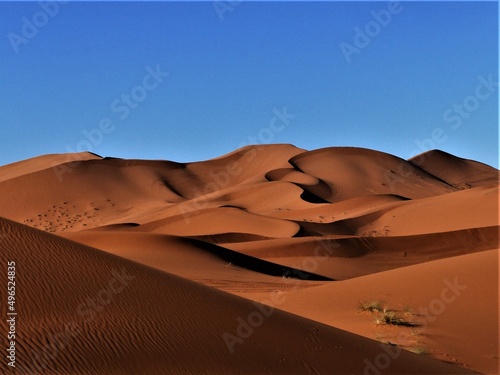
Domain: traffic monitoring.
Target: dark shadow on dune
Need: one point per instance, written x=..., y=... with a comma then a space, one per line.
x=164, y=182
x=308, y=229
x=311, y=198
x=230, y=238
x=255, y=264
x=321, y=192
x=232, y=206
x=93, y=153
x=111, y=158
x=117, y=227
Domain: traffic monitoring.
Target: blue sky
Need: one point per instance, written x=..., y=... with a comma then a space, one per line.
x=190, y=81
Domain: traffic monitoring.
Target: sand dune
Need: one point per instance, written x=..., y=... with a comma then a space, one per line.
x=324, y=229
x=39, y=163
x=455, y=171
x=471, y=208
x=345, y=257
x=186, y=257
x=449, y=304
x=222, y=220
x=352, y=172
x=128, y=318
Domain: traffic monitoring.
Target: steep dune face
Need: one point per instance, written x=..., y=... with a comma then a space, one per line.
x=260, y=222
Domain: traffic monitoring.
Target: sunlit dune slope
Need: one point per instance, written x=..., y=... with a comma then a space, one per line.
x=452, y=303
x=128, y=318
x=458, y=172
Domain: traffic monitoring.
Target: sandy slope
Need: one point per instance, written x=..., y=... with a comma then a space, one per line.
x=477, y=207
x=453, y=302
x=351, y=172
x=343, y=257
x=258, y=222
x=128, y=318
x=196, y=260
x=455, y=171
x=39, y=163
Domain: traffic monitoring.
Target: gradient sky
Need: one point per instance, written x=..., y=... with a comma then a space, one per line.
x=417, y=77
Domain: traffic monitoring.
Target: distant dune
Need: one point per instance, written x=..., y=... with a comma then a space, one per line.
x=268, y=260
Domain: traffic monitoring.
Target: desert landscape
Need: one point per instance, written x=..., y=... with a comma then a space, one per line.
x=271, y=259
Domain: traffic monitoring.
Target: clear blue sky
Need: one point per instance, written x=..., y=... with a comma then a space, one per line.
x=232, y=69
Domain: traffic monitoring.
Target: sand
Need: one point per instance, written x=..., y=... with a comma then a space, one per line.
x=270, y=259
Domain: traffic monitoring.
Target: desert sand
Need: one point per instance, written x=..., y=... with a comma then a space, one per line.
x=268, y=260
